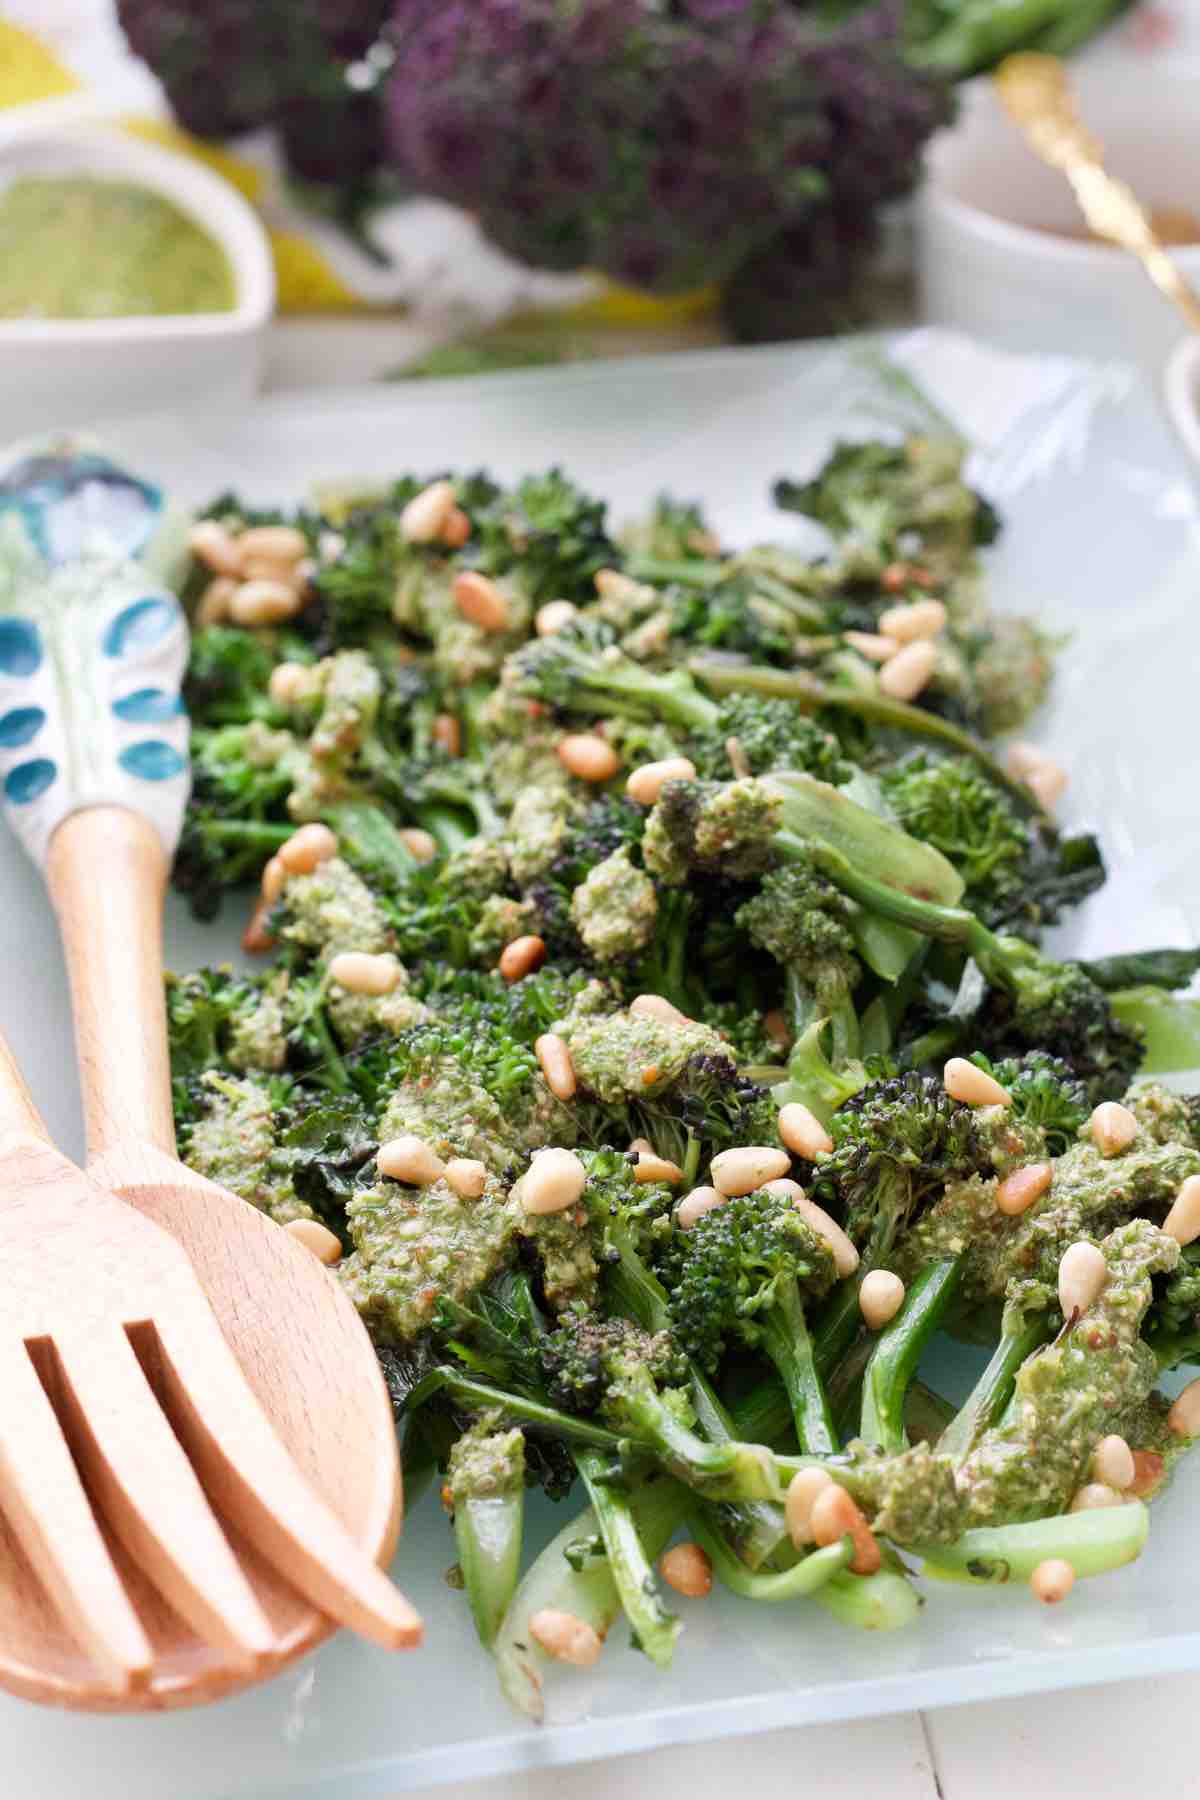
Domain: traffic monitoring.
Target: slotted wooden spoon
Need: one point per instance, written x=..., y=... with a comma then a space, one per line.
x=181, y=1345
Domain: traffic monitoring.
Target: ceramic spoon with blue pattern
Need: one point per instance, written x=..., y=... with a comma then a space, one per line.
x=198, y=1469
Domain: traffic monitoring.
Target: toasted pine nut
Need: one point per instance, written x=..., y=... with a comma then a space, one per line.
x=1018, y=1191
x=466, y=1176
x=650, y=1167
x=274, y=543
x=804, y=1489
x=1092, y=1495
x=361, y=973
x=409, y=1158
x=803, y=1132
x=553, y=1181
x=967, y=1082
x=1112, y=1462
x=587, y=756
x=215, y=601
x=1021, y=759
x=910, y=671
x=776, y=1028
x=1082, y=1273
x=264, y=603
x=654, y=1006
x=880, y=1298
x=873, y=645
x=216, y=548
x=1047, y=783
x=423, y=520
x=522, y=957
x=457, y=528
x=1148, y=1471
x=834, y=1514
x=553, y=617
x=647, y=782
x=317, y=1238
x=693, y=1206
x=640, y=1144
x=557, y=1067
x=565, y=1636
x=688, y=1569
x=785, y=1186
x=479, y=599
x=274, y=880
x=612, y=585
x=1183, y=1221
x=256, y=939
x=918, y=619
x=420, y=844
x=1113, y=1127
x=1052, y=1580
x=289, y=683
x=741, y=1170
x=845, y=1256
x=447, y=732
x=307, y=849
x=739, y=762
x=1184, y=1416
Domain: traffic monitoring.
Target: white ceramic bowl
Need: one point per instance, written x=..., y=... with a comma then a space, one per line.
x=1181, y=390
x=57, y=372
x=991, y=259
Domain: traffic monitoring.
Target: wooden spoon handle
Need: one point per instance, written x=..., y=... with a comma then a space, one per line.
x=107, y=873
x=18, y=1115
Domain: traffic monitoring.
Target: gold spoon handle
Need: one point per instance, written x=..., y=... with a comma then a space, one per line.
x=1034, y=91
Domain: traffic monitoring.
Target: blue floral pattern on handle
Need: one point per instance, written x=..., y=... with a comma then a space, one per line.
x=93, y=645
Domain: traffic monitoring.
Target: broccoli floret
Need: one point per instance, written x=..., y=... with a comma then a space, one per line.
x=548, y=532
x=725, y=828
x=232, y=1141
x=803, y=922
x=767, y=734
x=583, y=1357
x=500, y=919
x=622, y=1054
x=672, y=530
x=614, y=909
x=1167, y=1117
x=582, y=670
x=216, y=1018
x=332, y=910
x=950, y=803
x=1044, y=1092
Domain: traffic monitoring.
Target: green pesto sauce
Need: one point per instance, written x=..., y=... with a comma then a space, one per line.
x=72, y=247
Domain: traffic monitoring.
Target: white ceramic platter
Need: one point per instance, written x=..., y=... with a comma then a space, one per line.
x=1102, y=541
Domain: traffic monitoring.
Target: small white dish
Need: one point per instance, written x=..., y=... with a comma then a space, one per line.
x=57, y=372
x=1181, y=391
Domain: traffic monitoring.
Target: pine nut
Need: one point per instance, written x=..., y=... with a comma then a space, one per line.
x=693, y=1206
x=688, y=1569
x=647, y=782
x=587, y=756
x=289, y=683
x=361, y=973
x=845, y=1256
x=215, y=601
x=457, y=529
x=918, y=619
x=650, y=1167
x=256, y=939
x=640, y=1144
x=317, y=1238
x=739, y=762
x=1113, y=1127
x=804, y=1489
x=557, y=1067
x=1052, y=1580
x=448, y=733
x=834, y=1514
x=274, y=880
x=216, y=548
x=522, y=957
x=1148, y=1471
x=803, y=1132
x=786, y=1188
x=1093, y=1495
x=565, y=1636
x=1018, y=1191
x=480, y=600
x=909, y=672
x=654, y=1006
x=612, y=585
x=1183, y=1221
x=264, y=603
x=1184, y=1416
x=1082, y=1273
x=279, y=544
x=967, y=1082
x=553, y=617
x=1112, y=1462
x=880, y=1298
x=1021, y=759
x=1047, y=783
x=419, y=844
x=742, y=1170
x=467, y=1177
x=553, y=1181
x=409, y=1158
x=775, y=1026
x=307, y=849
x=872, y=644
x=424, y=519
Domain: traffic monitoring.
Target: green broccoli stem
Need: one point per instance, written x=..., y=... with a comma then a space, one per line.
x=839, y=1322
x=488, y=1531
x=368, y=839
x=805, y=1577
x=993, y=1390
x=1092, y=1542
x=520, y=1410
x=898, y=715
x=246, y=834
x=787, y=1343
x=688, y=571
x=812, y=1079
x=727, y=1471
x=654, y=1628
x=839, y=1016
x=885, y=1601
x=898, y=1350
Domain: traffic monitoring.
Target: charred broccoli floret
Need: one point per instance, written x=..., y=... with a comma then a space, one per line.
x=803, y=922
x=1044, y=1092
